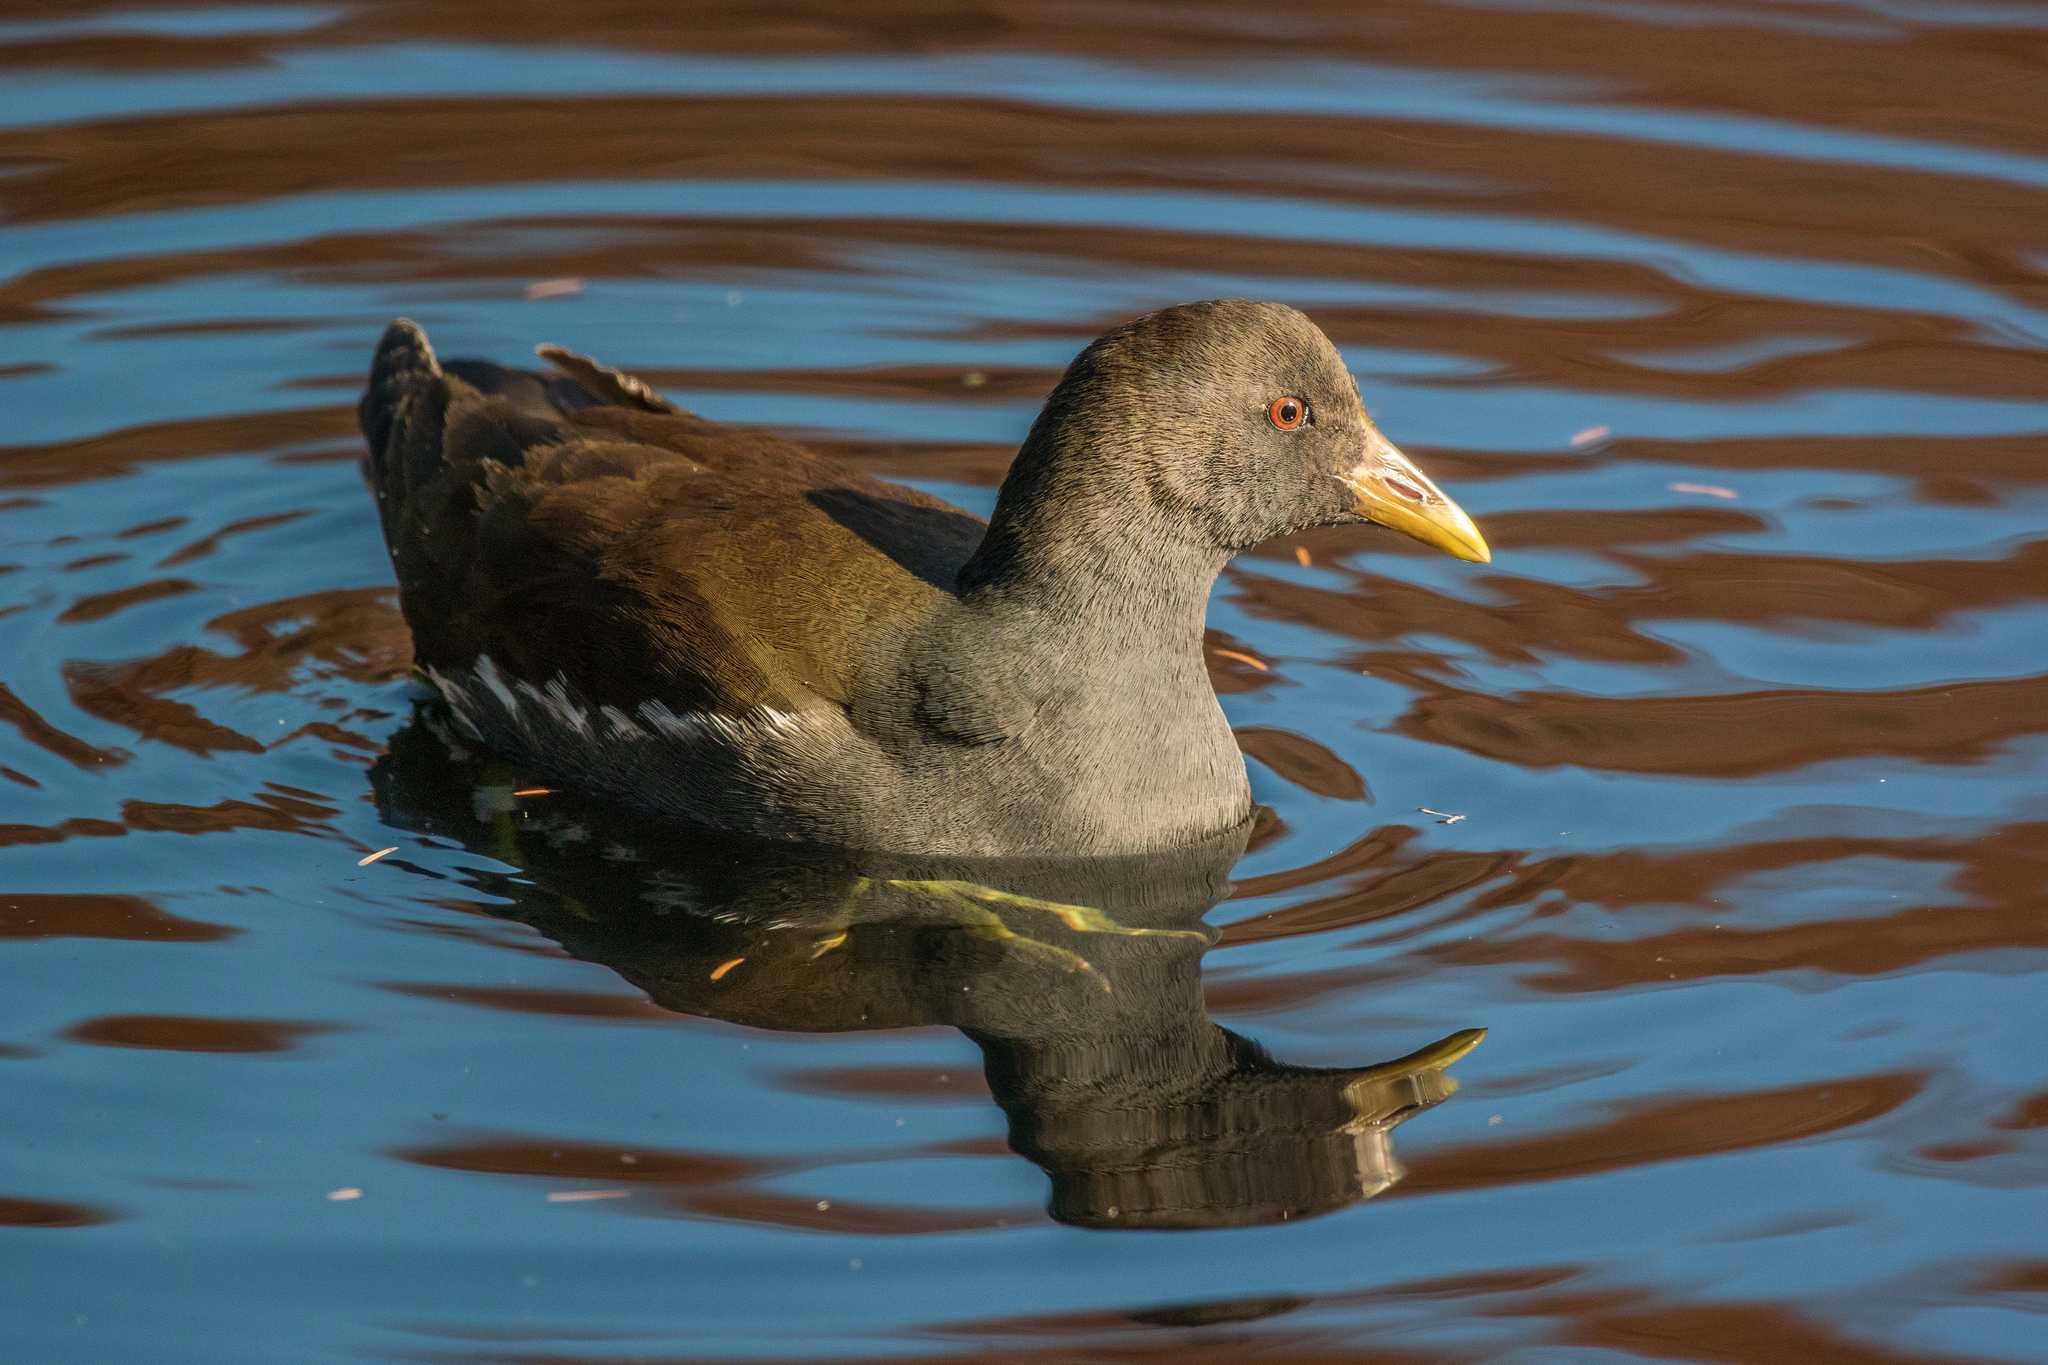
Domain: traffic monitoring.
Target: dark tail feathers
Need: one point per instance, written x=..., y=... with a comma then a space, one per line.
x=405, y=391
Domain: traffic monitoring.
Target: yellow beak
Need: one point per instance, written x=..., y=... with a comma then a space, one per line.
x=1397, y=495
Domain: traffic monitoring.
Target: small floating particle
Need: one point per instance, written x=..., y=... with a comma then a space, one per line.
x=973, y=379
x=1443, y=817
x=536, y=791
x=1710, y=490
x=1301, y=557
x=722, y=968
x=823, y=1205
x=584, y=1196
x=344, y=1194
x=1244, y=658
x=559, y=288
x=382, y=852
x=1590, y=435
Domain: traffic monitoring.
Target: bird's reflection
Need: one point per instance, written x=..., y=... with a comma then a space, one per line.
x=1080, y=981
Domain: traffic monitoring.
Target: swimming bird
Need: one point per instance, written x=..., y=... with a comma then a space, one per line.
x=715, y=624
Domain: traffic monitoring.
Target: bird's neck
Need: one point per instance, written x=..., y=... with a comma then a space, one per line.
x=1129, y=613
x=1106, y=638
x=1096, y=604
x=1099, y=572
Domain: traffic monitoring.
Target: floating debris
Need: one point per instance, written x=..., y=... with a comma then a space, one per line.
x=1443, y=817
x=1244, y=658
x=561, y=288
x=1590, y=435
x=382, y=852
x=722, y=968
x=1709, y=490
x=973, y=379
x=584, y=1196
x=344, y=1194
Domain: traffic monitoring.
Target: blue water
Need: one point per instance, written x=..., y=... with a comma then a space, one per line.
x=1749, y=885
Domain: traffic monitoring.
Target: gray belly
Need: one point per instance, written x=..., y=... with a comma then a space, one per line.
x=1074, y=789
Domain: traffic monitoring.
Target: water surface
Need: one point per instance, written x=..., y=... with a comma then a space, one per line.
x=1726, y=320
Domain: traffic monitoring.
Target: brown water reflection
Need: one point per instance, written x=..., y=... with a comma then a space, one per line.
x=25, y=915
x=1728, y=321
x=171, y=1033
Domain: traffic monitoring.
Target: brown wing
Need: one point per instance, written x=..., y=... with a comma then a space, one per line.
x=643, y=554
x=605, y=384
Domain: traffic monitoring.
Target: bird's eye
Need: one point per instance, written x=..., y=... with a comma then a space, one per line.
x=1288, y=412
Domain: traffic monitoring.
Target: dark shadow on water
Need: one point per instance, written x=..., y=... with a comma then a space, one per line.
x=1079, y=981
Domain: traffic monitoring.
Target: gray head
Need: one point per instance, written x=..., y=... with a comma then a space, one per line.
x=1212, y=426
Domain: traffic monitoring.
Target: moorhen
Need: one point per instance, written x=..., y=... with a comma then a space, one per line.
x=712, y=623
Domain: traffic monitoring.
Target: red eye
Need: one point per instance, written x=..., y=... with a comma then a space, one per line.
x=1288, y=412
